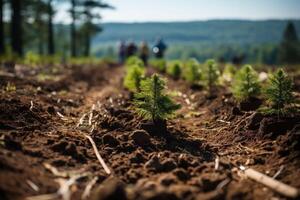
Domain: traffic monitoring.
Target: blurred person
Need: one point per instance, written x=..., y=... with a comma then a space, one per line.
x=144, y=52
x=159, y=48
x=122, y=51
x=131, y=49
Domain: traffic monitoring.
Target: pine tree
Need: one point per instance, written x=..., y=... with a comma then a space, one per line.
x=192, y=72
x=246, y=84
x=279, y=92
x=174, y=69
x=211, y=75
x=289, y=50
x=134, y=75
x=152, y=102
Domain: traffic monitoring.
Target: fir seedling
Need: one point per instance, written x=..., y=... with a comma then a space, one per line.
x=246, y=84
x=211, y=75
x=152, y=102
x=192, y=72
x=279, y=92
x=134, y=75
x=134, y=60
x=174, y=69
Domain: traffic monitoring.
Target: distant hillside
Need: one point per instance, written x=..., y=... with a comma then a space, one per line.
x=206, y=32
x=256, y=41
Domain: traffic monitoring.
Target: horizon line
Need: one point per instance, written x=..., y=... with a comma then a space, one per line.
x=203, y=20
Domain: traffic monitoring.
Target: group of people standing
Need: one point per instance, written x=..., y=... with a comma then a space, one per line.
x=125, y=50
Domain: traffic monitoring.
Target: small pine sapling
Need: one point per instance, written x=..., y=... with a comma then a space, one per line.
x=211, y=75
x=134, y=75
x=192, y=72
x=152, y=103
x=279, y=92
x=174, y=69
x=134, y=60
x=246, y=84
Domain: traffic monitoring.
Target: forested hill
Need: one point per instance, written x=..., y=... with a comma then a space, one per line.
x=205, y=32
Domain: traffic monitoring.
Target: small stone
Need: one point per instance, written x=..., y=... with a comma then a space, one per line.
x=154, y=164
x=110, y=140
x=110, y=189
x=140, y=137
x=167, y=179
x=168, y=165
x=181, y=174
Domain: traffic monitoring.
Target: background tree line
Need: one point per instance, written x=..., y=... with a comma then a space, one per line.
x=28, y=24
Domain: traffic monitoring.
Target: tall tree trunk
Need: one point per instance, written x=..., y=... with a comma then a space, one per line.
x=16, y=27
x=2, y=46
x=51, y=48
x=73, y=30
x=87, y=44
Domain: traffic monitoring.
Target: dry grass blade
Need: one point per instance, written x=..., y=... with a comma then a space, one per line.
x=106, y=169
x=91, y=114
x=88, y=188
x=217, y=163
x=31, y=105
x=81, y=120
x=33, y=185
x=278, y=172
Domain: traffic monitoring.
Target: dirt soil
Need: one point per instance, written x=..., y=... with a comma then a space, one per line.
x=43, y=143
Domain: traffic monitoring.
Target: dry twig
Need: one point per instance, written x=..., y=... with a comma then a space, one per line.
x=106, y=169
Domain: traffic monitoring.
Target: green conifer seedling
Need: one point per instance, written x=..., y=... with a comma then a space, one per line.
x=192, y=72
x=211, y=74
x=246, y=84
x=174, y=69
x=279, y=92
x=152, y=102
x=134, y=60
x=134, y=75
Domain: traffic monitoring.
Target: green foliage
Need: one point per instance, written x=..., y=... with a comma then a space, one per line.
x=246, y=84
x=134, y=75
x=159, y=64
x=134, y=60
x=152, y=102
x=211, y=74
x=192, y=72
x=32, y=59
x=10, y=87
x=174, y=69
x=279, y=92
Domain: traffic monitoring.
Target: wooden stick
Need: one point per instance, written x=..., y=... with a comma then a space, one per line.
x=106, y=169
x=277, y=186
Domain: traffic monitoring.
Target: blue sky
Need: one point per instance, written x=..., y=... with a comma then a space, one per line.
x=185, y=10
